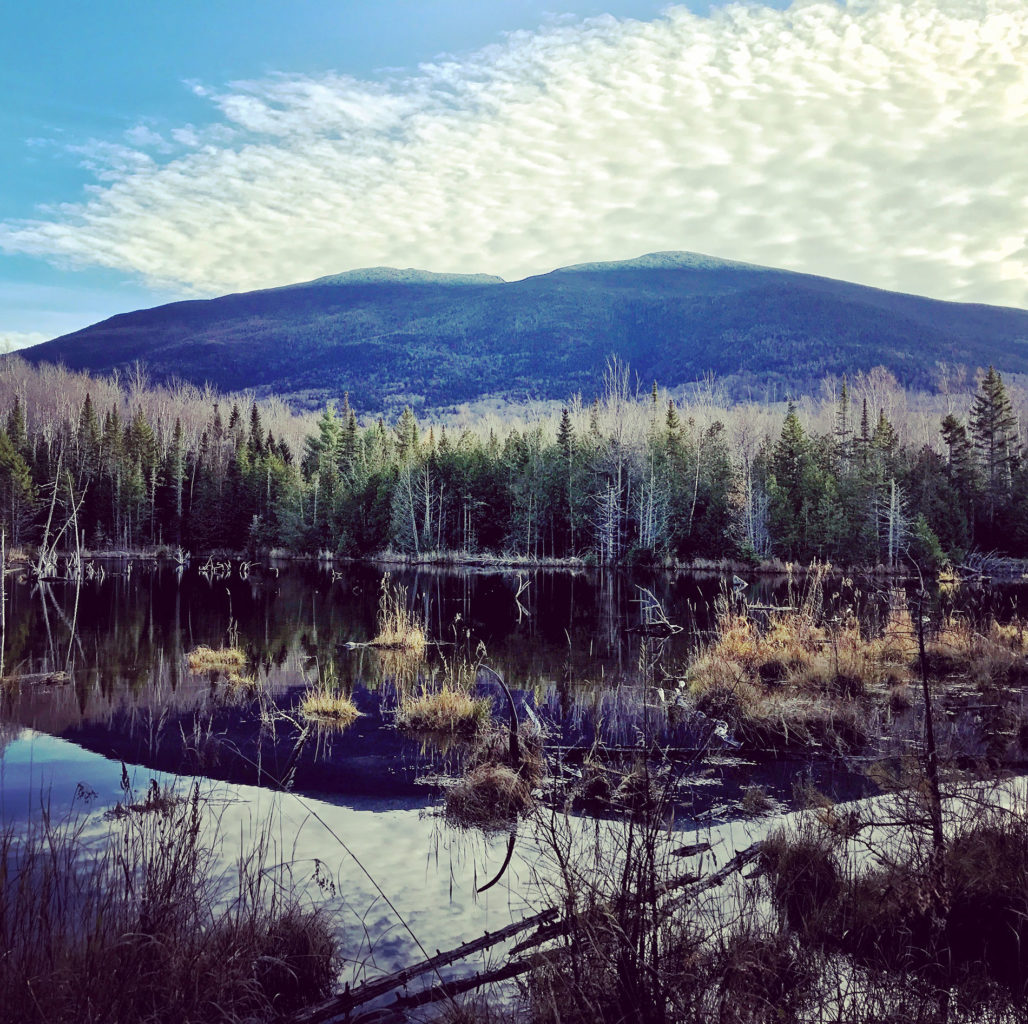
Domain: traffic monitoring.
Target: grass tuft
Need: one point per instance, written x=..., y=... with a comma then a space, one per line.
x=224, y=659
x=489, y=796
x=447, y=710
x=329, y=706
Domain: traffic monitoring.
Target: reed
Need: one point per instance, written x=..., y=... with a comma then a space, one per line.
x=141, y=924
x=398, y=626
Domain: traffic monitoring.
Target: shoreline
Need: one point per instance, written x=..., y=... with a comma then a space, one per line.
x=996, y=567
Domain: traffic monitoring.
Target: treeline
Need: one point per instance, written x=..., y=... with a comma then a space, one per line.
x=863, y=477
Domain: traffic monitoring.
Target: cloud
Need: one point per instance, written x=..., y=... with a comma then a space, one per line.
x=878, y=141
x=12, y=340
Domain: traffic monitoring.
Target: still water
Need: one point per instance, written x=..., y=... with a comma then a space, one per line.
x=97, y=687
x=571, y=646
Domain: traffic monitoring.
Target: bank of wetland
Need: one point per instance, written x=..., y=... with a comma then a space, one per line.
x=642, y=790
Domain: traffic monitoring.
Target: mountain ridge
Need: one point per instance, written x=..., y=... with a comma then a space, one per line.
x=393, y=337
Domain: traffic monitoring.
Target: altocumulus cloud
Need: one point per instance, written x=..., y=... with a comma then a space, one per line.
x=880, y=141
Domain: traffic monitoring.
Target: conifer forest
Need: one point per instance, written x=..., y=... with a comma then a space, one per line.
x=866, y=474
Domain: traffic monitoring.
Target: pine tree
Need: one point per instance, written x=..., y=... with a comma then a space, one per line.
x=961, y=474
x=176, y=472
x=16, y=428
x=793, y=490
x=256, y=438
x=566, y=435
x=406, y=437
x=87, y=439
x=16, y=490
x=994, y=429
x=843, y=427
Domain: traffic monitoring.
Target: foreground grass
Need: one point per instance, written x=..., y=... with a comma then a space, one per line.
x=853, y=914
x=139, y=925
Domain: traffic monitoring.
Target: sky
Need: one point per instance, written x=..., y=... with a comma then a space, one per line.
x=151, y=152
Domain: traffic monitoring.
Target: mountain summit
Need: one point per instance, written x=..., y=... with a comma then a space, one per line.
x=393, y=337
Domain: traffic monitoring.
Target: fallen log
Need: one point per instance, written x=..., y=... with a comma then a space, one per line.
x=350, y=998
x=396, y=1011
x=549, y=926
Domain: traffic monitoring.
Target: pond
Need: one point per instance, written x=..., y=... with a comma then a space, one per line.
x=572, y=647
x=106, y=694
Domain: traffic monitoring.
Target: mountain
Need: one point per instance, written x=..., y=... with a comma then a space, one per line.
x=392, y=337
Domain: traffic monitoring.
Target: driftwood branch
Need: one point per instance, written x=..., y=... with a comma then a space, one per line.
x=515, y=749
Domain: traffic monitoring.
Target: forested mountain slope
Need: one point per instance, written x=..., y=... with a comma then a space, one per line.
x=396, y=337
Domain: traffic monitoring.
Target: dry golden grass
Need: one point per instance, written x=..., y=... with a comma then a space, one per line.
x=241, y=682
x=1013, y=635
x=797, y=679
x=447, y=710
x=489, y=796
x=224, y=659
x=981, y=658
x=329, y=706
x=398, y=626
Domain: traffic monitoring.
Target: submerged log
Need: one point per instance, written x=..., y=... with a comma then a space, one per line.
x=660, y=630
x=38, y=679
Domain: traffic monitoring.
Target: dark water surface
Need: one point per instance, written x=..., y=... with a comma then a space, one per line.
x=568, y=644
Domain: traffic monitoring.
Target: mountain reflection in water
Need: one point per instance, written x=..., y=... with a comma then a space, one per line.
x=567, y=643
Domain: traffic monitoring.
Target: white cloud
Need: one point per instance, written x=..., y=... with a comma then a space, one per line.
x=880, y=141
x=10, y=341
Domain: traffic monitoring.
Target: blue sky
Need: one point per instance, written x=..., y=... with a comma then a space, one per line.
x=158, y=151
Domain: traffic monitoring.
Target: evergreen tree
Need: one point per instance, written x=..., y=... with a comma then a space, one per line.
x=17, y=492
x=994, y=429
x=406, y=437
x=16, y=428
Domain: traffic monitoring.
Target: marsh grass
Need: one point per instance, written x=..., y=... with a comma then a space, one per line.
x=891, y=915
x=493, y=792
x=223, y=659
x=756, y=801
x=398, y=626
x=141, y=924
x=488, y=796
x=331, y=706
x=446, y=709
x=800, y=678
x=238, y=681
x=158, y=799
